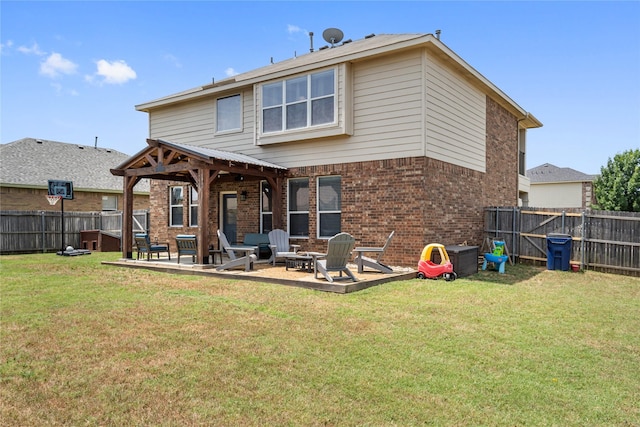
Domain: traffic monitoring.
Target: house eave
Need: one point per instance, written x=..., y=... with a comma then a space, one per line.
x=289, y=67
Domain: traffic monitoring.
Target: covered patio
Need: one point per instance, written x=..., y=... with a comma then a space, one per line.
x=199, y=167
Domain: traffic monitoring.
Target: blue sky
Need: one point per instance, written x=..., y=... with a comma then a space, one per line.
x=73, y=71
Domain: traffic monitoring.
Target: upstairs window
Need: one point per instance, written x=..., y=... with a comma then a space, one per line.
x=300, y=102
x=228, y=114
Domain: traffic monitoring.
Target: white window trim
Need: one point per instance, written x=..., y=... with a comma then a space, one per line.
x=289, y=212
x=343, y=114
x=318, y=211
x=192, y=205
x=308, y=102
x=262, y=212
x=172, y=206
x=229, y=131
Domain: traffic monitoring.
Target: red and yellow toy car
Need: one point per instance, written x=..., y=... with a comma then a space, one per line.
x=427, y=269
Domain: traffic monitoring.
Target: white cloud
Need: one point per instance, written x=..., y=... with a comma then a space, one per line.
x=230, y=72
x=5, y=46
x=170, y=58
x=33, y=50
x=55, y=65
x=114, y=72
x=59, y=90
x=292, y=29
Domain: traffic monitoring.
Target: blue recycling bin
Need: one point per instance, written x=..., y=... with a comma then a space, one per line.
x=558, y=251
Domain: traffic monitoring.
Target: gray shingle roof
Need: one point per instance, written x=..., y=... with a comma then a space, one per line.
x=223, y=155
x=551, y=173
x=345, y=52
x=31, y=162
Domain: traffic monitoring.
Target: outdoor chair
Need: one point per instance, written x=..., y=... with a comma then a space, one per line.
x=364, y=261
x=234, y=261
x=338, y=252
x=144, y=246
x=280, y=246
x=187, y=245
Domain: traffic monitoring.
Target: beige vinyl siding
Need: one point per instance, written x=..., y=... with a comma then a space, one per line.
x=556, y=195
x=187, y=123
x=388, y=107
x=194, y=123
x=387, y=101
x=387, y=111
x=240, y=142
x=388, y=95
x=455, y=118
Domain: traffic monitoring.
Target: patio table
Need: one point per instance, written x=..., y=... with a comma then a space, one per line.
x=298, y=260
x=314, y=258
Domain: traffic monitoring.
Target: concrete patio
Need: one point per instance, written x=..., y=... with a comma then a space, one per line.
x=267, y=273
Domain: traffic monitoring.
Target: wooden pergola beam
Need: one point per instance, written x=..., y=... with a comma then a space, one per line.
x=164, y=161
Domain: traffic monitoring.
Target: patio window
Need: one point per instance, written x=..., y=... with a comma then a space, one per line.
x=193, y=207
x=298, y=207
x=229, y=114
x=329, y=206
x=175, y=206
x=266, y=211
x=300, y=102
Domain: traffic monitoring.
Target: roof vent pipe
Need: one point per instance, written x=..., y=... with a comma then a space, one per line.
x=311, y=41
x=95, y=144
x=438, y=34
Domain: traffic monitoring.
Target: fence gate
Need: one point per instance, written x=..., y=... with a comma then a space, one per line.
x=603, y=240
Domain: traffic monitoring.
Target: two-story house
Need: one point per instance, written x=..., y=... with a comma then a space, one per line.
x=390, y=132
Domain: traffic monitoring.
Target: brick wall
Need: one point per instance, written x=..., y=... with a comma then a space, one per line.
x=423, y=200
x=588, y=195
x=32, y=199
x=501, y=180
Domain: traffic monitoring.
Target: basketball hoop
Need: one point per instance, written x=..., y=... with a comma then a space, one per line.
x=53, y=199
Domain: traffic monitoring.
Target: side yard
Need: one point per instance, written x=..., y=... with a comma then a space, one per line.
x=92, y=344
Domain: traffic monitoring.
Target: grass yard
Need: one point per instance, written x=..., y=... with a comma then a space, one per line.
x=87, y=344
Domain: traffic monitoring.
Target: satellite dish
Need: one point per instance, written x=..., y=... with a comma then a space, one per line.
x=332, y=35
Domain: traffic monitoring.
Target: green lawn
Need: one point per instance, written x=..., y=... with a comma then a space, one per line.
x=88, y=344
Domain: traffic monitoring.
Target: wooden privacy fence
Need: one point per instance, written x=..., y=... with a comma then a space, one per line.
x=41, y=231
x=603, y=240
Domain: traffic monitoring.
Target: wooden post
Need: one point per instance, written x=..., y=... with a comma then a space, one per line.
x=276, y=201
x=127, y=217
x=204, y=188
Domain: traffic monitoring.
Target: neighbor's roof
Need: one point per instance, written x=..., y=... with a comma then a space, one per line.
x=31, y=162
x=349, y=51
x=548, y=173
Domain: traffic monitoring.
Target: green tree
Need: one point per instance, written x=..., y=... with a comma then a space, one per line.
x=618, y=186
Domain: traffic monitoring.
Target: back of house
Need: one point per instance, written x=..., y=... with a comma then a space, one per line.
x=390, y=132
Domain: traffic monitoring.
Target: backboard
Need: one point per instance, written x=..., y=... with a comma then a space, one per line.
x=61, y=188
